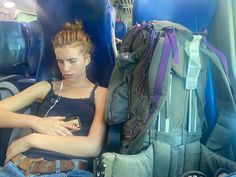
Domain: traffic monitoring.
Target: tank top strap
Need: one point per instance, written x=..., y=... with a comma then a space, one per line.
x=50, y=82
x=51, y=89
x=92, y=94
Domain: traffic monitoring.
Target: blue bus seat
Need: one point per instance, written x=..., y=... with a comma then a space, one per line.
x=98, y=23
x=21, y=46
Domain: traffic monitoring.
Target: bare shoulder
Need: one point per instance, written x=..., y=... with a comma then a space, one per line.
x=100, y=94
x=101, y=91
x=38, y=90
x=42, y=84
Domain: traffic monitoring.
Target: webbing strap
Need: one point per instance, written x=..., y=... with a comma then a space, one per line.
x=170, y=41
x=174, y=45
x=220, y=55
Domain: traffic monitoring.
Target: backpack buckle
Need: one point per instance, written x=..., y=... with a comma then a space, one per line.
x=99, y=167
x=152, y=108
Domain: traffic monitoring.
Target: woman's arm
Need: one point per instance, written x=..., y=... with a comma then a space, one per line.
x=36, y=92
x=83, y=146
x=17, y=102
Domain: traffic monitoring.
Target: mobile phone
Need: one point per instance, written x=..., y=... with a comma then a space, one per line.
x=79, y=125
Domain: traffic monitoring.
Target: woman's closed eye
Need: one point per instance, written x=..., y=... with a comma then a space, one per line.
x=71, y=61
x=60, y=61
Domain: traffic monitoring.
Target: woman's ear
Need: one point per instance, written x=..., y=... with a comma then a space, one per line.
x=87, y=59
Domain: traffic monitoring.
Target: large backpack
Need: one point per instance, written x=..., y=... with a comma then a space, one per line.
x=157, y=93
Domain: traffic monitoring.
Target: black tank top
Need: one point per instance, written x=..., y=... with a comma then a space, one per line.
x=68, y=107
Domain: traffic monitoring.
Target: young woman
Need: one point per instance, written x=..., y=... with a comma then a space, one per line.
x=73, y=96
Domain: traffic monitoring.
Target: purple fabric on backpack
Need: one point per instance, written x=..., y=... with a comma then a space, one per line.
x=218, y=53
x=170, y=42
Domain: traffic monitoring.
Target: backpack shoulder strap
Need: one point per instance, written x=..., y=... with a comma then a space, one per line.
x=219, y=61
x=170, y=44
x=220, y=55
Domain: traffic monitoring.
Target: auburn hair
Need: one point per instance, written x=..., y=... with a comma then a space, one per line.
x=73, y=34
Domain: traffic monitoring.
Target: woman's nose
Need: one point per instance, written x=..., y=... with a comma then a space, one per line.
x=66, y=66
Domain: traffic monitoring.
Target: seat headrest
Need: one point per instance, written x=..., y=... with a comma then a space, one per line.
x=194, y=14
x=13, y=48
x=97, y=19
x=35, y=40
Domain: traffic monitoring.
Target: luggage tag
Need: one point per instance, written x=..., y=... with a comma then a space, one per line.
x=194, y=67
x=194, y=63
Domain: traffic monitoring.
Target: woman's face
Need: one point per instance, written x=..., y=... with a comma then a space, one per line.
x=72, y=63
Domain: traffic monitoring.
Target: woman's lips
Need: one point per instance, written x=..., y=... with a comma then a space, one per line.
x=68, y=75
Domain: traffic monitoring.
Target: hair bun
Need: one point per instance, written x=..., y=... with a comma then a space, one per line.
x=77, y=25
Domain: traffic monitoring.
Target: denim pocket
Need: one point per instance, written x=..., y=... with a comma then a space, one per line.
x=79, y=173
x=10, y=169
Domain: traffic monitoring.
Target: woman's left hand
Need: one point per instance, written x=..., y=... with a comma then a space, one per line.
x=18, y=146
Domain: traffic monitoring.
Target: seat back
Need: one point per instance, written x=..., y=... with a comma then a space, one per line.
x=97, y=19
x=21, y=47
x=35, y=38
x=14, y=47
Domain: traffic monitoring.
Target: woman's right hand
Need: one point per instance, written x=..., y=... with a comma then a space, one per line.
x=55, y=126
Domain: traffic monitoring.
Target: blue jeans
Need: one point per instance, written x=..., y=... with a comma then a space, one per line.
x=11, y=170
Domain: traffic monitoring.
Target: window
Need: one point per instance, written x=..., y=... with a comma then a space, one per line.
x=26, y=17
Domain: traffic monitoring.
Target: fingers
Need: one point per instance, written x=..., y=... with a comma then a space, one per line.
x=9, y=154
x=59, y=129
x=62, y=131
x=117, y=40
x=8, y=157
x=58, y=118
x=57, y=126
x=73, y=125
x=7, y=160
